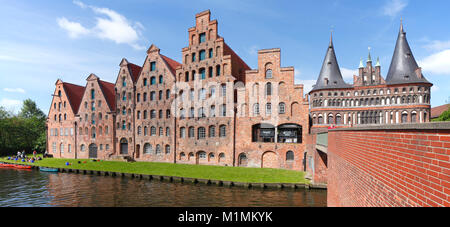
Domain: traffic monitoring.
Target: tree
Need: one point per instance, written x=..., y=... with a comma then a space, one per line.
x=26, y=131
x=30, y=109
x=444, y=116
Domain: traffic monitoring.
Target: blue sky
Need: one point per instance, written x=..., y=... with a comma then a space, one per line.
x=42, y=41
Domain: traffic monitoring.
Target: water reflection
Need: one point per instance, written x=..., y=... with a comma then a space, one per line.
x=34, y=188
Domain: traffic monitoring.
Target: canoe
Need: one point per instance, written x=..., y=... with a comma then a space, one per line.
x=22, y=167
x=44, y=169
x=7, y=165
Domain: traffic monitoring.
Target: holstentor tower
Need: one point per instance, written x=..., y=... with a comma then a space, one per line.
x=403, y=97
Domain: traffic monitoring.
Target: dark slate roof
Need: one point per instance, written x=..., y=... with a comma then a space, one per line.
x=330, y=70
x=403, y=66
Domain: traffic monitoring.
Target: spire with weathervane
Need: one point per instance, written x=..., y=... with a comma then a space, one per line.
x=330, y=76
x=404, y=68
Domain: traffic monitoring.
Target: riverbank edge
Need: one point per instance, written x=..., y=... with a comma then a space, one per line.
x=220, y=183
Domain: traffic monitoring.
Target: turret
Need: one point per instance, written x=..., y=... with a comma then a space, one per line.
x=330, y=76
x=404, y=68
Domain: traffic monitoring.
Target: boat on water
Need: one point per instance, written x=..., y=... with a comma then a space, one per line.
x=22, y=167
x=45, y=169
x=6, y=165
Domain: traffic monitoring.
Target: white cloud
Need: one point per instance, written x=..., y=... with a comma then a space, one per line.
x=438, y=63
x=347, y=74
x=11, y=104
x=80, y=4
x=393, y=7
x=16, y=90
x=253, y=50
x=112, y=26
x=74, y=29
x=307, y=85
x=437, y=45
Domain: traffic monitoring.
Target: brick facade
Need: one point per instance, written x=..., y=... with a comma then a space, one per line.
x=61, y=135
x=198, y=111
x=407, y=165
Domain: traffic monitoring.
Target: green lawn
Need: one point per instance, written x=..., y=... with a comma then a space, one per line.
x=236, y=174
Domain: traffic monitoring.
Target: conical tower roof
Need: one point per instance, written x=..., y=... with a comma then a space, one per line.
x=330, y=76
x=403, y=66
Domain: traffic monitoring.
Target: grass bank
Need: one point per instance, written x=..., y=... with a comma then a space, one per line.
x=222, y=173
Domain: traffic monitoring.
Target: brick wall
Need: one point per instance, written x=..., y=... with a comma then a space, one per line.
x=402, y=165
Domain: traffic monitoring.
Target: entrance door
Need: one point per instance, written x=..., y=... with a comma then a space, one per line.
x=123, y=146
x=93, y=151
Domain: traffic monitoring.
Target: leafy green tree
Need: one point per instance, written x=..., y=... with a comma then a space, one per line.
x=26, y=131
x=444, y=116
x=30, y=109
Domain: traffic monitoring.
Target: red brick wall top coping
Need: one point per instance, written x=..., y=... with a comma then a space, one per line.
x=422, y=126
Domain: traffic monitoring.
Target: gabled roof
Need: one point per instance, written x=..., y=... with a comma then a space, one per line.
x=171, y=63
x=330, y=76
x=74, y=95
x=437, y=111
x=135, y=70
x=227, y=49
x=109, y=93
x=403, y=65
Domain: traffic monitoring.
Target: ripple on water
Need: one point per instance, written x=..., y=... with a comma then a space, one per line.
x=34, y=188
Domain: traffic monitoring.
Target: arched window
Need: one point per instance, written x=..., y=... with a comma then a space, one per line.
x=404, y=117
x=268, y=109
x=147, y=148
x=330, y=119
x=256, y=109
x=282, y=108
x=413, y=117
x=223, y=131
x=167, y=149
x=158, y=149
x=201, y=133
x=202, y=155
x=269, y=74
x=161, y=79
x=152, y=131
x=212, y=131
x=191, y=132
x=182, y=132
x=290, y=156
x=269, y=89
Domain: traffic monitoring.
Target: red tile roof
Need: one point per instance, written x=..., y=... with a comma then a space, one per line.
x=74, y=94
x=109, y=92
x=135, y=70
x=437, y=111
x=233, y=54
x=171, y=63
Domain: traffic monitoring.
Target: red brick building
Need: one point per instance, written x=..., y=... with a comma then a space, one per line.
x=404, y=97
x=61, y=124
x=213, y=109
x=95, y=120
x=200, y=111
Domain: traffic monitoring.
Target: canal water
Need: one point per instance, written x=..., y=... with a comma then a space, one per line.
x=31, y=188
